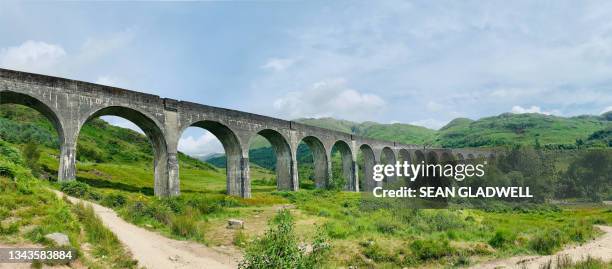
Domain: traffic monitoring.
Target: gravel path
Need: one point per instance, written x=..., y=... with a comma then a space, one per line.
x=599, y=248
x=153, y=250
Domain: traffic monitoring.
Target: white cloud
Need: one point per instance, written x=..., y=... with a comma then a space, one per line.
x=32, y=56
x=430, y=123
x=203, y=145
x=121, y=122
x=330, y=98
x=278, y=64
x=533, y=109
x=608, y=108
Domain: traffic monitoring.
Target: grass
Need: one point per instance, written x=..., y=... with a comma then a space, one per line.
x=115, y=170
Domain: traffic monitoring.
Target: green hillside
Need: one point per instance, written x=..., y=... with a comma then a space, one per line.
x=525, y=129
x=503, y=130
x=109, y=156
x=400, y=132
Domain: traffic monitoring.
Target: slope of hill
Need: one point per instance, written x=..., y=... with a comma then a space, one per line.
x=508, y=129
x=400, y=132
x=108, y=156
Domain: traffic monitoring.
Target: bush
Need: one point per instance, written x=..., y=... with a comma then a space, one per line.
x=336, y=230
x=387, y=226
x=431, y=249
x=114, y=200
x=278, y=248
x=6, y=171
x=185, y=226
x=501, y=239
x=75, y=188
x=376, y=253
x=546, y=243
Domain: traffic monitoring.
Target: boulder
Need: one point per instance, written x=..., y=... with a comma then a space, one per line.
x=235, y=224
x=59, y=239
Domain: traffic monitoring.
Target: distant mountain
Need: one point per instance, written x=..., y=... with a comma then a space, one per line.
x=210, y=156
x=400, y=132
x=508, y=129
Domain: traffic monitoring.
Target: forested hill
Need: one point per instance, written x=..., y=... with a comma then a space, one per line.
x=504, y=129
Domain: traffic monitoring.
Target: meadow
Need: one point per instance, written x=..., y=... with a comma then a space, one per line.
x=115, y=170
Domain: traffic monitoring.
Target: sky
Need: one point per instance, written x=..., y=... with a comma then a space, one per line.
x=417, y=62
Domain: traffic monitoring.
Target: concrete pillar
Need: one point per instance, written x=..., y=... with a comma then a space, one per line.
x=234, y=168
x=295, y=183
x=355, y=175
x=174, y=182
x=348, y=172
x=67, y=168
x=245, y=179
x=161, y=174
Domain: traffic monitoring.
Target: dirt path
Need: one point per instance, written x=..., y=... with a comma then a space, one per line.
x=599, y=248
x=153, y=250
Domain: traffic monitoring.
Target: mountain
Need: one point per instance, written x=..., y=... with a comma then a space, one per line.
x=400, y=132
x=525, y=129
x=209, y=156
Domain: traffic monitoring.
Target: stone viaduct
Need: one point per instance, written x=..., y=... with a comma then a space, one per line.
x=69, y=104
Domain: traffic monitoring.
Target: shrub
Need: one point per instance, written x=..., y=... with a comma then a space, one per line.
x=427, y=249
x=546, y=243
x=6, y=171
x=336, y=230
x=75, y=188
x=114, y=200
x=240, y=238
x=387, y=226
x=378, y=254
x=278, y=248
x=501, y=239
x=185, y=226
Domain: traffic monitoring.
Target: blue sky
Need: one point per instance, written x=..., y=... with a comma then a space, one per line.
x=421, y=62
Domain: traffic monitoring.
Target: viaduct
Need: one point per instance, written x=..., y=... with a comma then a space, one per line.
x=69, y=104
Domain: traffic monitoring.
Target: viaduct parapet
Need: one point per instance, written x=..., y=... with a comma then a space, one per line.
x=69, y=104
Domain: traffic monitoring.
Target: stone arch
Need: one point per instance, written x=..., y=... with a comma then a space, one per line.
x=470, y=156
x=446, y=158
x=389, y=157
x=432, y=157
x=319, y=159
x=369, y=160
x=66, y=170
x=404, y=156
x=154, y=132
x=284, y=161
x=419, y=157
x=348, y=169
x=233, y=154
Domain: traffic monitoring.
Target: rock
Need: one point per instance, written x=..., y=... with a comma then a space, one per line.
x=59, y=239
x=174, y=258
x=235, y=224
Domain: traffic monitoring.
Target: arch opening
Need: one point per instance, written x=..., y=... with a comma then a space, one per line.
x=10, y=97
x=36, y=131
x=343, y=174
x=282, y=159
x=387, y=157
x=312, y=163
x=366, y=160
x=147, y=144
x=404, y=157
x=216, y=144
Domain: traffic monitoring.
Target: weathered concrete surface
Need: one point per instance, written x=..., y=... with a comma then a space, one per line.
x=68, y=104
